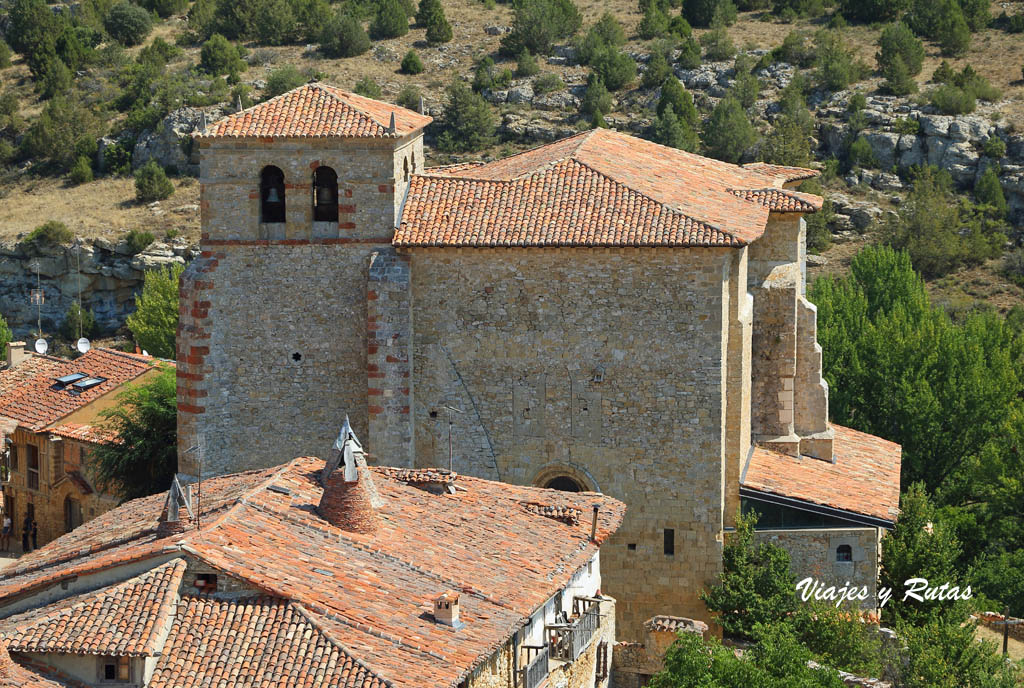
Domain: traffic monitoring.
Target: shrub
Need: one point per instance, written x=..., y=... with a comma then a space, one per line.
x=604, y=34
x=974, y=83
x=976, y=14
x=526, y=64
x=857, y=102
x=391, y=20
x=81, y=171
x=488, y=76
x=50, y=233
x=426, y=9
x=128, y=24
x=836, y=68
x=994, y=147
x=344, y=36
x=679, y=99
x=790, y=9
x=165, y=8
x=728, y=133
x=717, y=44
x=906, y=125
x=367, y=87
x=78, y=323
x=657, y=70
x=704, y=12
x=796, y=49
x=859, y=154
x=55, y=78
x=836, y=639
x=411, y=63
x=943, y=74
x=409, y=97
x=788, y=143
x=282, y=80
x=872, y=10
x=548, y=82
x=597, y=102
x=151, y=183
x=897, y=44
x=654, y=24
x=64, y=130
x=468, y=123
x=898, y=80
x=689, y=54
x=746, y=87
x=951, y=100
x=616, y=69
x=539, y=23
x=219, y=56
x=5, y=54
x=952, y=33
x=989, y=192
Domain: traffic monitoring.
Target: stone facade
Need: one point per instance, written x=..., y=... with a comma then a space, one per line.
x=813, y=552
x=643, y=373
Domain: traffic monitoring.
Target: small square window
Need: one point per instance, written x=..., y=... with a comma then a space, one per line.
x=206, y=582
x=631, y=547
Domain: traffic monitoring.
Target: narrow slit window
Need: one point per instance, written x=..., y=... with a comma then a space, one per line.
x=670, y=541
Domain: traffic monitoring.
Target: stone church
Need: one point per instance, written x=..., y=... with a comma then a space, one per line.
x=598, y=314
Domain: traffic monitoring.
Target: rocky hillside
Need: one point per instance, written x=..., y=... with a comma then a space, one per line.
x=132, y=104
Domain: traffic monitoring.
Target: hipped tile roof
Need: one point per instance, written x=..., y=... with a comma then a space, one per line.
x=864, y=479
x=784, y=172
x=31, y=397
x=370, y=594
x=599, y=188
x=783, y=200
x=124, y=619
x=259, y=642
x=317, y=111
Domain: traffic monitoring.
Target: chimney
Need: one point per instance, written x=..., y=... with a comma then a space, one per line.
x=593, y=524
x=446, y=609
x=350, y=498
x=16, y=353
x=178, y=513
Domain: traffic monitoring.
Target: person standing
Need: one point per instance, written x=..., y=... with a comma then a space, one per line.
x=26, y=526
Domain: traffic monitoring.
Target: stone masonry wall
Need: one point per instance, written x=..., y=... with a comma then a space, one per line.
x=812, y=553
x=272, y=344
x=602, y=365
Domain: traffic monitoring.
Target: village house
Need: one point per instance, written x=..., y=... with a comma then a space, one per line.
x=49, y=410
x=316, y=573
x=597, y=314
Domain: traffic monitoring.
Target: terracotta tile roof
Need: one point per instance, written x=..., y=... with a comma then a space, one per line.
x=371, y=593
x=672, y=624
x=415, y=476
x=258, y=642
x=83, y=432
x=783, y=200
x=15, y=675
x=864, y=479
x=599, y=188
x=34, y=365
x=788, y=174
x=317, y=110
x=568, y=515
x=35, y=401
x=124, y=619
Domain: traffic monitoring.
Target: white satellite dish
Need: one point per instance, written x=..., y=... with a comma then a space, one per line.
x=83, y=345
x=41, y=346
x=145, y=353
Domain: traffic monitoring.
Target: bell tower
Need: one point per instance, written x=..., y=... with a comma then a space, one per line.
x=299, y=197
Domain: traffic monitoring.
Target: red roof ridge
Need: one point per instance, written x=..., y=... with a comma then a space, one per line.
x=800, y=201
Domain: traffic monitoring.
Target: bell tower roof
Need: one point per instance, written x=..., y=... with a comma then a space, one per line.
x=317, y=110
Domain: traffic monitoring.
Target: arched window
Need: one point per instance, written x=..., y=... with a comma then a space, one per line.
x=844, y=553
x=325, y=195
x=564, y=483
x=271, y=194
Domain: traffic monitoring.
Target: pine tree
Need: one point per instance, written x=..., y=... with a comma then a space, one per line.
x=411, y=63
x=391, y=20
x=728, y=133
x=989, y=192
x=467, y=120
x=426, y=9
x=679, y=99
x=438, y=28
x=673, y=131
x=597, y=102
x=344, y=36
x=155, y=320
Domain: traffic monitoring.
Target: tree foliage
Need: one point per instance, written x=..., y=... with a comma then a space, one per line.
x=989, y=191
x=219, y=56
x=344, y=36
x=728, y=133
x=155, y=321
x=151, y=183
x=391, y=20
x=144, y=457
x=5, y=333
x=539, y=23
x=468, y=123
x=755, y=586
x=127, y=23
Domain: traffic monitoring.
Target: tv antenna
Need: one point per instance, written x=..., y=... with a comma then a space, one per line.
x=37, y=299
x=451, y=446
x=83, y=344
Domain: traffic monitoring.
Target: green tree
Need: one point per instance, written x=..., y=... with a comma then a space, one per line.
x=898, y=43
x=689, y=54
x=78, y=322
x=151, y=183
x=282, y=80
x=728, y=133
x=155, y=320
x=989, y=192
x=673, y=131
x=431, y=16
x=746, y=86
x=391, y=20
x=166, y=8
x=468, y=123
x=344, y=36
x=755, y=586
x=836, y=68
x=703, y=12
x=143, y=458
x=5, y=333
x=50, y=233
x=539, y=23
x=411, y=63
x=5, y=55
x=654, y=23
x=616, y=69
x=873, y=10
x=426, y=9
x=64, y=130
x=368, y=87
x=219, y=56
x=597, y=102
x=836, y=639
x=604, y=34
x=998, y=576
x=128, y=24
x=81, y=171
x=940, y=654
x=790, y=9
x=952, y=33
x=679, y=99
x=526, y=64
x=409, y=97
x=717, y=44
x=657, y=70
x=789, y=141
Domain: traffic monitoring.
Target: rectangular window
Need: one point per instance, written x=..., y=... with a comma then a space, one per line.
x=670, y=541
x=32, y=466
x=115, y=669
